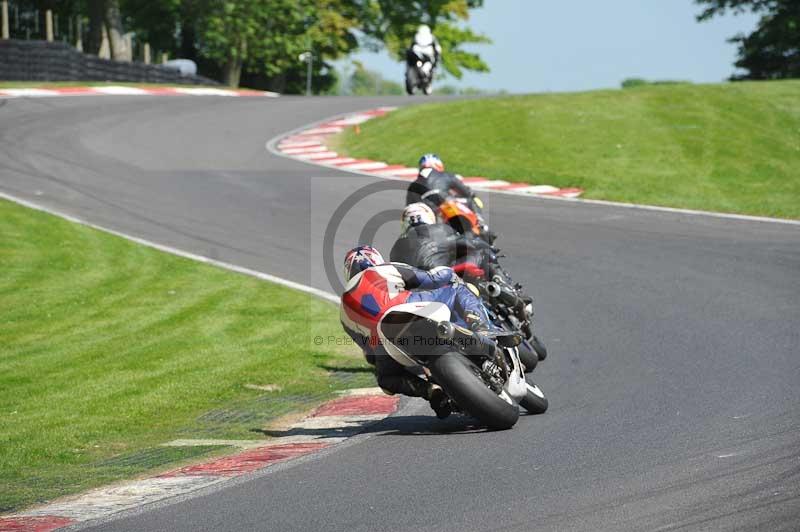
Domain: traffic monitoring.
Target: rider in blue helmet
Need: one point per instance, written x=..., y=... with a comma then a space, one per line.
x=433, y=185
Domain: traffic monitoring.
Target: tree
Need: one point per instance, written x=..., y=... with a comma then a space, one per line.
x=267, y=36
x=359, y=81
x=260, y=40
x=113, y=23
x=772, y=51
x=393, y=24
x=157, y=23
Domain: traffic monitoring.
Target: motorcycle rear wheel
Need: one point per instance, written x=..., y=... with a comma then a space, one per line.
x=461, y=381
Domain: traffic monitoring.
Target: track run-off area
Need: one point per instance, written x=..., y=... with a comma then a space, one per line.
x=673, y=374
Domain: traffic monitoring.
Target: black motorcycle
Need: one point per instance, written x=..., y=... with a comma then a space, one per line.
x=512, y=310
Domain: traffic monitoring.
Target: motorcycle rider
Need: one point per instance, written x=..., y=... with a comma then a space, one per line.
x=426, y=244
x=374, y=287
x=433, y=185
x=426, y=49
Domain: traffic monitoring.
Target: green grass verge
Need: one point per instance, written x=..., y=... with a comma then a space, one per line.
x=110, y=349
x=731, y=147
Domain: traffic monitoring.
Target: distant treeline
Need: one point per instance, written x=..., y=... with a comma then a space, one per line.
x=258, y=43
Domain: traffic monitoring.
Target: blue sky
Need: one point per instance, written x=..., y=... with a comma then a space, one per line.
x=573, y=45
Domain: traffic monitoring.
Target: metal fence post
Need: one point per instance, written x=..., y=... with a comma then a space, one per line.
x=48, y=21
x=79, y=31
x=4, y=9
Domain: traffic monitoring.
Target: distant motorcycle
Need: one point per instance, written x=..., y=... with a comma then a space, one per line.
x=419, y=73
x=481, y=374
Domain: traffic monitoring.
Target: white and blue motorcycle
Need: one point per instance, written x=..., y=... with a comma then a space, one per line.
x=481, y=373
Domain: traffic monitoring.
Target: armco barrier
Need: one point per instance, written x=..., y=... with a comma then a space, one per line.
x=57, y=61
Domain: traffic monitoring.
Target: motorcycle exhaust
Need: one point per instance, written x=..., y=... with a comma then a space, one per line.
x=493, y=289
x=469, y=342
x=507, y=297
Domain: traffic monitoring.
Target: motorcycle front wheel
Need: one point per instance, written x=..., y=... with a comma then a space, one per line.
x=534, y=401
x=528, y=356
x=411, y=81
x=461, y=380
x=539, y=347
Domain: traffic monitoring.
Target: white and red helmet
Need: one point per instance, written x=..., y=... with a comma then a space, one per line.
x=359, y=259
x=416, y=214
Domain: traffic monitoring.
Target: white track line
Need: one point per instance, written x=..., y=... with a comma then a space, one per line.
x=327, y=296
x=363, y=166
x=319, y=156
x=28, y=93
x=304, y=149
x=639, y=206
x=120, y=91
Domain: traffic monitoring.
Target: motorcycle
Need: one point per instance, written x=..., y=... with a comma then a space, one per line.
x=481, y=374
x=509, y=307
x=419, y=73
x=512, y=310
x=462, y=215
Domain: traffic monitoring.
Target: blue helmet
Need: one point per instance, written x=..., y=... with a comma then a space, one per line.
x=359, y=259
x=431, y=160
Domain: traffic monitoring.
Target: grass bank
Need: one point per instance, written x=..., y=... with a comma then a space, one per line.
x=110, y=349
x=732, y=147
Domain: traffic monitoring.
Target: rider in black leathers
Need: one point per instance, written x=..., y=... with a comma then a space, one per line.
x=433, y=186
x=427, y=244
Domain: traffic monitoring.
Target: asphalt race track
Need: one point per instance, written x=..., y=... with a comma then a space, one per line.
x=674, y=367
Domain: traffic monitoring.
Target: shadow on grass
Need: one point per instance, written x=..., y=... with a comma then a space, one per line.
x=337, y=369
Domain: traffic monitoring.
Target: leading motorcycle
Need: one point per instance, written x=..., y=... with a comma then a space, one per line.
x=481, y=374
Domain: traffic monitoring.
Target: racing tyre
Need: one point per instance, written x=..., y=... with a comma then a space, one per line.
x=528, y=356
x=534, y=402
x=411, y=82
x=461, y=380
x=539, y=347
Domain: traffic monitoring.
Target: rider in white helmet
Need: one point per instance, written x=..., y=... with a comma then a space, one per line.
x=425, y=243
